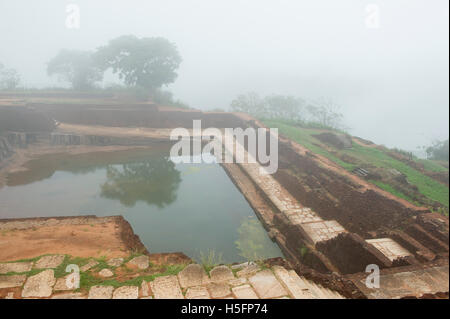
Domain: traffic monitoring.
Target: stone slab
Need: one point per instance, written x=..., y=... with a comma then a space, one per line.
x=244, y=292
x=89, y=265
x=266, y=285
x=101, y=292
x=390, y=248
x=74, y=295
x=141, y=262
x=126, y=292
x=106, y=273
x=12, y=281
x=115, y=262
x=322, y=231
x=192, y=275
x=51, y=261
x=166, y=287
x=15, y=267
x=39, y=285
x=197, y=293
x=221, y=273
x=218, y=290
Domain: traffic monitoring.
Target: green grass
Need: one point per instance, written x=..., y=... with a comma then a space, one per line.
x=304, y=137
x=427, y=186
x=87, y=280
x=432, y=166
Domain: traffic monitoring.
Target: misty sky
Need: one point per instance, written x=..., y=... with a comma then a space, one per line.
x=391, y=81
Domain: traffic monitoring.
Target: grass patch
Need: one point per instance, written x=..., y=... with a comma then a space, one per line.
x=427, y=186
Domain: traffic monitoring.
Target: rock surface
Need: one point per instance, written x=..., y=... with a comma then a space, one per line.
x=192, y=275
x=12, y=281
x=221, y=273
x=197, y=293
x=115, y=262
x=126, y=292
x=101, y=292
x=266, y=285
x=15, y=267
x=166, y=287
x=39, y=285
x=106, y=273
x=89, y=265
x=51, y=261
x=141, y=262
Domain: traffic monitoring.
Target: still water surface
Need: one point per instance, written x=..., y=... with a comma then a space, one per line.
x=192, y=208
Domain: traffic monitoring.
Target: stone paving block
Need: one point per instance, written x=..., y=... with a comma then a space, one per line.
x=101, y=292
x=218, y=290
x=61, y=284
x=322, y=231
x=145, y=289
x=141, y=262
x=197, y=293
x=12, y=281
x=221, y=273
x=244, y=292
x=15, y=267
x=237, y=281
x=74, y=295
x=248, y=271
x=192, y=275
x=115, y=262
x=126, y=292
x=51, y=261
x=106, y=273
x=290, y=281
x=413, y=282
x=389, y=248
x=39, y=285
x=266, y=285
x=89, y=265
x=166, y=287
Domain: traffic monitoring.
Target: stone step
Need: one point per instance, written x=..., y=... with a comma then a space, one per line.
x=301, y=288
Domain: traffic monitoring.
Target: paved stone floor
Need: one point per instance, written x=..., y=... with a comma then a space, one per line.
x=389, y=248
x=408, y=283
x=36, y=279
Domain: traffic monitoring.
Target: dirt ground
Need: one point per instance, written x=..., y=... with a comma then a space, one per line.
x=86, y=236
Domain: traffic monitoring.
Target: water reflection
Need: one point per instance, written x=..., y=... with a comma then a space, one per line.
x=253, y=242
x=154, y=182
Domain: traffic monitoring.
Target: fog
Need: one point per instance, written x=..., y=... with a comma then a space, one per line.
x=390, y=80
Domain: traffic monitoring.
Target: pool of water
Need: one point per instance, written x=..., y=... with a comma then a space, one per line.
x=191, y=208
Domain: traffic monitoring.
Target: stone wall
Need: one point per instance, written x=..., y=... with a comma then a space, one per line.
x=24, y=119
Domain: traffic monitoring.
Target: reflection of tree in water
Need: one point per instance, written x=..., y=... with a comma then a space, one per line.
x=154, y=182
x=253, y=242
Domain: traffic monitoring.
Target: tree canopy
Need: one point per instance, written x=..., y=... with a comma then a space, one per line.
x=9, y=78
x=322, y=113
x=76, y=67
x=438, y=151
x=146, y=62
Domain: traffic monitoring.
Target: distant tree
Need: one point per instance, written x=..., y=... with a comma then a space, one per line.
x=75, y=67
x=438, y=151
x=249, y=103
x=9, y=78
x=325, y=113
x=285, y=107
x=147, y=62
